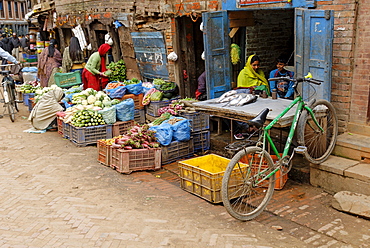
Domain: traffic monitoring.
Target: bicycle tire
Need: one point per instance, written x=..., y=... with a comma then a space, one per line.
x=14, y=100
x=319, y=144
x=242, y=198
x=11, y=103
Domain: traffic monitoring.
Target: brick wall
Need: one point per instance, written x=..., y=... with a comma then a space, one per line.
x=271, y=36
x=343, y=57
x=361, y=65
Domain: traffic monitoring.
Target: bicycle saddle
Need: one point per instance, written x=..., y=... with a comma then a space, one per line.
x=5, y=72
x=260, y=119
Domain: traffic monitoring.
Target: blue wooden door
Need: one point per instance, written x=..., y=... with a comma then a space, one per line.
x=217, y=53
x=150, y=52
x=313, y=46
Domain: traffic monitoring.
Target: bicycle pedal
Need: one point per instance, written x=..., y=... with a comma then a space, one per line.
x=300, y=149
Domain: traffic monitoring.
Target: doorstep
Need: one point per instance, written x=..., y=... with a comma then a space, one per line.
x=341, y=174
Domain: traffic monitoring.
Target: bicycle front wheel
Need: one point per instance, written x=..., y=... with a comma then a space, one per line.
x=319, y=143
x=244, y=192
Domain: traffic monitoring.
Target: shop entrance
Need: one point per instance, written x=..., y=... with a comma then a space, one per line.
x=190, y=48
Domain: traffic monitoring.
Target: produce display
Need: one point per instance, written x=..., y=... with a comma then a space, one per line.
x=132, y=81
x=160, y=119
x=113, y=85
x=69, y=113
x=29, y=88
x=147, y=96
x=95, y=98
x=138, y=137
x=87, y=118
x=173, y=108
x=117, y=71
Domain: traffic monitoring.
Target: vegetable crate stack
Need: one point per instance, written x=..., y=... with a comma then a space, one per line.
x=173, y=133
x=134, y=150
x=200, y=132
x=161, y=95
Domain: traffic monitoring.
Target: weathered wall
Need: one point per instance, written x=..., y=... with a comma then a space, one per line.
x=360, y=89
x=343, y=56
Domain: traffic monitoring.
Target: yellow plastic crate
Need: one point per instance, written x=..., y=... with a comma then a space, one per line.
x=203, y=175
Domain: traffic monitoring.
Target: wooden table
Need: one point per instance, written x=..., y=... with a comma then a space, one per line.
x=248, y=111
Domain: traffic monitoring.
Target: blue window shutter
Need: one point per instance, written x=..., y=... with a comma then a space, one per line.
x=217, y=52
x=313, y=45
x=151, y=55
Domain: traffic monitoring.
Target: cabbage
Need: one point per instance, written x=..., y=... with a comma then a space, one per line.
x=107, y=103
x=91, y=99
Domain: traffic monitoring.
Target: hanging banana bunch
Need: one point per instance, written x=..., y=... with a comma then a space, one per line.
x=235, y=54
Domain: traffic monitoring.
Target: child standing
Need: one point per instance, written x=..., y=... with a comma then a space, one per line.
x=284, y=88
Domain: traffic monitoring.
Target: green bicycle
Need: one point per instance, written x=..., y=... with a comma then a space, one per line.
x=249, y=180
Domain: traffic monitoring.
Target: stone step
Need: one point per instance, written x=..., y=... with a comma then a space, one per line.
x=341, y=174
x=353, y=146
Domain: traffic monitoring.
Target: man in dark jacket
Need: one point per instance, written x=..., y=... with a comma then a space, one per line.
x=16, y=44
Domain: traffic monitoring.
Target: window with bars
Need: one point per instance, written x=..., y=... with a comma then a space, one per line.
x=16, y=12
x=10, y=11
x=2, y=12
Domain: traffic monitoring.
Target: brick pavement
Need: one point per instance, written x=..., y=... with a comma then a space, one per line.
x=53, y=194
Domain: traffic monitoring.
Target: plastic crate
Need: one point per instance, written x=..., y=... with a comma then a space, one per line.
x=139, y=116
x=127, y=161
x=67, y=131
x=138, y=100
x=60, y=126
x=199, y=121
x=177, y=150
x=152, y=108
x=66, y=80
x=27, y=96
x=104, y=153
x=120, y=127
x=203, y=175
x=31, y=104
x=83, y=136
x=201, y=140
x=280, y=180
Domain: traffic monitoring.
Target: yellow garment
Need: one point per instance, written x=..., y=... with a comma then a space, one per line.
x=249, y=77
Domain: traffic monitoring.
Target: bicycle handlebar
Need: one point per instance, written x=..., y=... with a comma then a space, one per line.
x=7, y=65
x=298, y=80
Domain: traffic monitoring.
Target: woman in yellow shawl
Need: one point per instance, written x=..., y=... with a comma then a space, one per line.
x=252, y=75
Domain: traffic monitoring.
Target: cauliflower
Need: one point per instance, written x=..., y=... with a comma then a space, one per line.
x=91, y=99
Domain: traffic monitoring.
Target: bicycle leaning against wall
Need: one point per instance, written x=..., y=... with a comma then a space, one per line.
x=8, y=94
x=249, y=179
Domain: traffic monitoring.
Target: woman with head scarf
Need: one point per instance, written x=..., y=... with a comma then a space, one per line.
x=73, y=59
x=252, y=75
x=44, y=112
x=49, y=62
x=93, y=75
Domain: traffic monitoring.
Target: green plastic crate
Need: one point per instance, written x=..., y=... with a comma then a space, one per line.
x=69, y=79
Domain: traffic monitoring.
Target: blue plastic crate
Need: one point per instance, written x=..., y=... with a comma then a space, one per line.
x=201, y=141
x=26, y=97
x=83, y=136
x=198, y=121
x=177, y=150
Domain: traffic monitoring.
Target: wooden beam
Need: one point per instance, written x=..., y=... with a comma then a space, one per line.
x=233, y=32
x=241, y=15
x=234, y=23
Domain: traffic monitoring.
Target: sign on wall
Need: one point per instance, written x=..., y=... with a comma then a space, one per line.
x=248, y=2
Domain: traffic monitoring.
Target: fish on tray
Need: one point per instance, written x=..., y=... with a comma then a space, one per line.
x=249, y=98
x=227, y=94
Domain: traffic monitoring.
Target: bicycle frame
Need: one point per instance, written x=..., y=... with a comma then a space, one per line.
x=266, y=136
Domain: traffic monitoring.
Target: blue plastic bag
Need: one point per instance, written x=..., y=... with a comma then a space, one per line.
x=181, y=129
x=29, y=69
x=118, y=92
x=163, y=133
x=135, y=89
x=125, y=110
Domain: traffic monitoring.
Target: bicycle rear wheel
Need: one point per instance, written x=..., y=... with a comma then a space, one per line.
x=243, y=193
x=11, y=107
x=13, y=99
x=319, y=144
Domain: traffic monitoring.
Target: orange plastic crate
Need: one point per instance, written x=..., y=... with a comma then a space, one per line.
x=104, y=153
x=127, y=161
x=138, y=99
x=280, y=180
